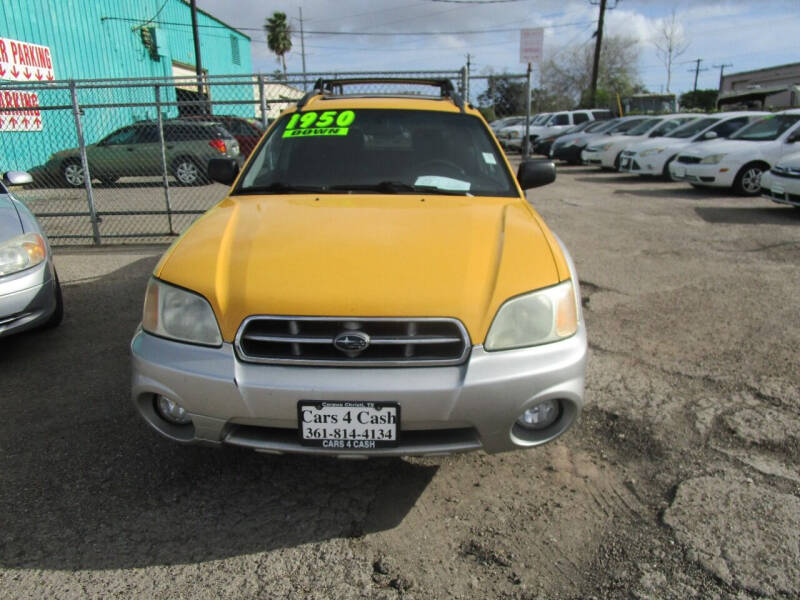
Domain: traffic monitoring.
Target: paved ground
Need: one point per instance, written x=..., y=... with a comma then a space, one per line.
x=681, y=481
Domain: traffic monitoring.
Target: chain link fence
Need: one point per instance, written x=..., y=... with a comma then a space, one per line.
x=124, y=161
x=501, y=100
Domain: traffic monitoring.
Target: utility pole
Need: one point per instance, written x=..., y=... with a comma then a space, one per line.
x=466, y=91
x=598, y=44
x=302, y=48
x=721, y=71
x=696, y=70
x=198, y=63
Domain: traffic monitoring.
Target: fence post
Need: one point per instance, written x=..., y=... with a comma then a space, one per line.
x=163, y=157
x=263, y=99
x=527, y=141
x=87, y=177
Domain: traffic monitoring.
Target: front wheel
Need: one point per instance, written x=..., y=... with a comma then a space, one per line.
x=748, y=180
x=58, y=314
x=665, y=174
x=72, y=173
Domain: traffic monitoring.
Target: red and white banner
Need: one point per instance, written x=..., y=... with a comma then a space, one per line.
x=27, y=119
x=21, y=61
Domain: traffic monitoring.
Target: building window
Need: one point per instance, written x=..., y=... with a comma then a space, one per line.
x=235, y=57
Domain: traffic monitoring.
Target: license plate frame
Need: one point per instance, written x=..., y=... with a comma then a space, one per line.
x=353, y=436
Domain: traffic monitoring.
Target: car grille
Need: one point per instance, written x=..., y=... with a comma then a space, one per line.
x=352, y=342
x=688, y=160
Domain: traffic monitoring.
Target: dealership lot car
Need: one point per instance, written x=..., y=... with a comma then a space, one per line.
x=30, y=295
x=607, y=153
x=781, y=184
x=653, y=156
x=569, y=146
x=135, y=150
x=739, y=161
x=361, y=292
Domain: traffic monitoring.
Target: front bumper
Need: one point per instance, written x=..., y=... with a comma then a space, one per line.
x=443, y=409
x=601, y=158
x=783, y=190
x=649, y=165
x=570, y=153
x=27, y=299
x=719, y=175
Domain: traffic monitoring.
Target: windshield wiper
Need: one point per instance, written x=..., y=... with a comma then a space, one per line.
x=396, y=187
x=280, y=187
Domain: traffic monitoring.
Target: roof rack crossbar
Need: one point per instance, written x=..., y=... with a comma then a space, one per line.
x=331, y=86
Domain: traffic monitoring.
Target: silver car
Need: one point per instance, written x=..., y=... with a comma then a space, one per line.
x=30, y=295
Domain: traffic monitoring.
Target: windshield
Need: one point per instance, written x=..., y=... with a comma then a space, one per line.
x=600, y=126
x=623, y=126
x=643, y=127
x=691, y=129
x=768, y=128
x=385, y=151
x=540, y=119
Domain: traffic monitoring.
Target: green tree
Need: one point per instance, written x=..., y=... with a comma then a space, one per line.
x=279, y=36
x=505, y=95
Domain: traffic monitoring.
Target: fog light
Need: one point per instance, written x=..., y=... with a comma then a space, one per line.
x=171, y=411
x=540, y=416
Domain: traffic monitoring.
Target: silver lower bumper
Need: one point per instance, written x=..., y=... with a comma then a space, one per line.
x=444, y=409
x=27, y=299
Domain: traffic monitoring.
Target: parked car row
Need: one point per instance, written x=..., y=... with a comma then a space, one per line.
x=511, y=133
x=728, y=149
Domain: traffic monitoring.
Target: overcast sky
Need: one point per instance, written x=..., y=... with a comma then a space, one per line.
x=748, y=34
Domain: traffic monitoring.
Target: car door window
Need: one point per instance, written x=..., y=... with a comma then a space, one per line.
x=147, y=134
x=127, y=135
x=579, y=118
x=560, y=119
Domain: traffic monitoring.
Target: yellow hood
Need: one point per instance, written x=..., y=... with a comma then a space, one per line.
x=364, y=256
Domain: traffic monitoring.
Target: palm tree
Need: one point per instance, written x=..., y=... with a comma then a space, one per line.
x=279, y=36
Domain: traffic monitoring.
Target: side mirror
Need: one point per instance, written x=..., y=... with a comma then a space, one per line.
x=536, y=173
x=17, y=178
x=223, y=170
x=710, y=135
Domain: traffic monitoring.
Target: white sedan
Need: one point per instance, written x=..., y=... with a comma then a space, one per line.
x=782, y=183
x=653, y=156
x=738, y=162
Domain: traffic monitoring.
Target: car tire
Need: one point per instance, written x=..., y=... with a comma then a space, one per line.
x=58, y=314
x=187, y=171
x=748, y=179
x=72, y=173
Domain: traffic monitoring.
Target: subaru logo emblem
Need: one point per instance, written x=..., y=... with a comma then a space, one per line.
x=351, y=343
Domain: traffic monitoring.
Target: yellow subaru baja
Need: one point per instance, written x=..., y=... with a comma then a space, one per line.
x=375, y=283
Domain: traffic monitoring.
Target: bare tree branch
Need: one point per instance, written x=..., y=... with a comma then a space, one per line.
x=670, y=41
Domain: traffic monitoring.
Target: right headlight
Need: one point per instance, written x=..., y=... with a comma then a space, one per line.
x=712, y=159
x=179, y=314
x=540, y=317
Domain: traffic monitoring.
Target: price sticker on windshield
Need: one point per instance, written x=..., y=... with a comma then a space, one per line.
x=313, y=124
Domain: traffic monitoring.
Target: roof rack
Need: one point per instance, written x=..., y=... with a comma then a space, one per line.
x=331, y=86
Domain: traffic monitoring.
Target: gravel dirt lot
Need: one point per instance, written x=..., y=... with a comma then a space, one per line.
x=682, y=479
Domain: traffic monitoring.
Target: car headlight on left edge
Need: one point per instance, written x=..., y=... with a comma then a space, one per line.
x=539, y=317
x=177, y=314
x=21, y=252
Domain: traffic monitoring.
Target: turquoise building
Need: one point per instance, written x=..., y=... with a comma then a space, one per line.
x=43, y=43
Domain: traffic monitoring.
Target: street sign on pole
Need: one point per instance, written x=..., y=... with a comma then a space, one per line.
x=531, y=42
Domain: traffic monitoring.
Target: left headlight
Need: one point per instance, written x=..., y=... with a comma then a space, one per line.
x=178, y=314
x=21, y=252
x=712, y=159
x=536, y=318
